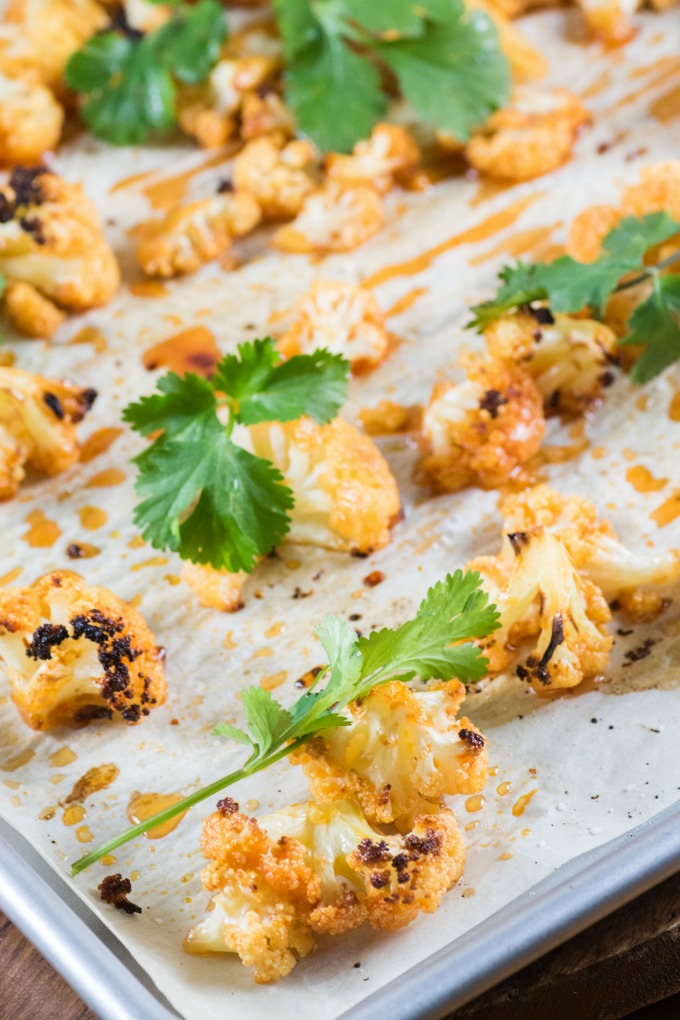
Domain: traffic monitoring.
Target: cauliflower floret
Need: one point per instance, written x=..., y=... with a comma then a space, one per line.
x=145, y=15
x=313, y=868
x=37, y=425
x=389, y=150
x=401, y=753
x=514, y=8
x=52, y=31
x=263, y=112
x=76, y=653
x=532, y=137
x=30, y=120
x=346, y=498
x=215, y=589
x=343, y=318
x=30, y=313
x=280, y=179
x=190, y=235
x=541, y=595
x=589, y=229
x=333, y=218
x=209, y=111
x=51, y=238
x=569, y=359
x=610, y=20
x=624, y=577
x=481, y=431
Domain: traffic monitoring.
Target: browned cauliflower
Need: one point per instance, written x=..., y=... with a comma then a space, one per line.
x=333, y=218
x=530, y=138
x=629, y=581
x=30, y=119
x=193, y=234
x=37, y=425
x=544, y=601
x=343, y=318
x=51, y=239
x=346, y=498
x=610, y=20
x=481, y=431
x=215, y=589
x=400, y=754
x=52, y=30
x=279, y=178
x=569, y=359
x=264, y=113
x=30, y=313
x=389, y=150
x=76, y=653
x=144, y=15
x=310, y=868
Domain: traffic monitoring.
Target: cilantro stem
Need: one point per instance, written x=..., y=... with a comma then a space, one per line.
x=253, y=765
x=641, y=277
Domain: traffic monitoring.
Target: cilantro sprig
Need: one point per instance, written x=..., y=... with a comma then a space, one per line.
x=435, y=644
x=446, y=59
x=203, y=495
x=570, y=286
x=129, y=80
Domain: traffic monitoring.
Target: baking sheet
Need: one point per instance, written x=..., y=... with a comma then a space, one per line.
x=594, y=780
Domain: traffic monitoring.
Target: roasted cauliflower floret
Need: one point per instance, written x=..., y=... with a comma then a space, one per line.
x=481, y=431
x=280, y=179
x=530, y=138
x=333, y=218
x=30, y=120
x=628, y=580
x=543, y=600
x=209, y=111
x=215, y=589
x=343, y=318
x=52, y=31
x=346, y=498
x=193, y=234
x=145, y=15
x=264, y=113
x=389, y=150
x=37, y=425
x=610, y=20
x=569, y=359
x=312, y=868
x=400, y=754
x=30, y=313
x=51, y=238
x=76, y=653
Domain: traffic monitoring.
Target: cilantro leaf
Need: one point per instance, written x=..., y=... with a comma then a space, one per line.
x=570, y=286
x=230, y=732
x=334, y=93
x=266, y=388
x=128, y=84
x=267, y=720
x=202, y=495
x=454, y=609
x=455, y=74
x=656, y=324
x=447, y=60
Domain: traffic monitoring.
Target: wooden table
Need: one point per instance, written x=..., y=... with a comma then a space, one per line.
x=625, y=963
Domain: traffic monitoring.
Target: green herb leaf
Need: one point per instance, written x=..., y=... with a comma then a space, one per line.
x=656, y=324
x=266, y=388
x=454, y=610
x=129, y=85
x=455, y=75
x=570, y=286
x=202, y=495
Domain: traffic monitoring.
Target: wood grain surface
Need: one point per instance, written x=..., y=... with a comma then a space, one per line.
x=626, y=966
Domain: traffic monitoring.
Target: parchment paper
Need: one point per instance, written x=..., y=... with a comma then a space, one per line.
x=601, y=760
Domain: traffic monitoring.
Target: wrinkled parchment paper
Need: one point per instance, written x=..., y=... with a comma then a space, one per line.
x=601, y=760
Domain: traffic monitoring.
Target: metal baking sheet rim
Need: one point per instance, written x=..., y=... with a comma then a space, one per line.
x=576, y=895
